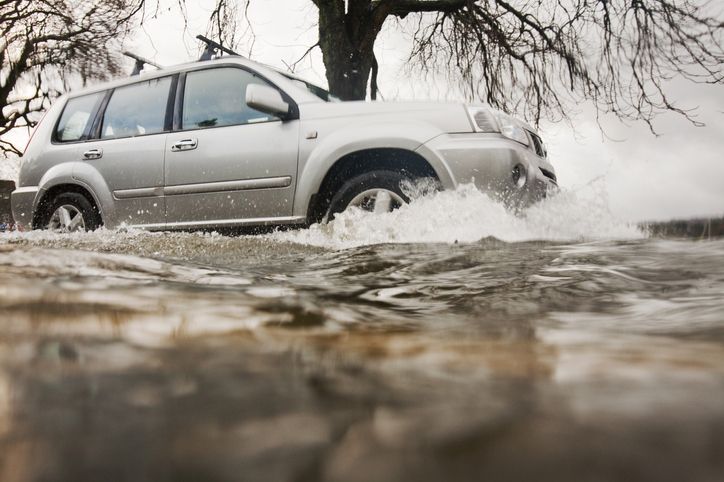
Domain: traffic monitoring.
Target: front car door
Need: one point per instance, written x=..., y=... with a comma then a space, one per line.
x=228, y=164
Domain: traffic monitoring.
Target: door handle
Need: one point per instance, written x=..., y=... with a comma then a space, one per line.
x=93, y=154
x=184, y=145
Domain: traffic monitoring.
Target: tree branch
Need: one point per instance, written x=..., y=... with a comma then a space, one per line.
x=402, y=8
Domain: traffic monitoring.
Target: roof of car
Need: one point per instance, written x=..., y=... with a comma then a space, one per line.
x=299, y=94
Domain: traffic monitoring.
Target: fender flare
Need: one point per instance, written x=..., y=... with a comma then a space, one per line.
x=410, y=136
x=63, y=174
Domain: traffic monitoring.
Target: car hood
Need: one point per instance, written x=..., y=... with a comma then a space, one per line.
x=449, y=117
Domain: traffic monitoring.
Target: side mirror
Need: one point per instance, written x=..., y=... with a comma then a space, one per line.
x=266, y=99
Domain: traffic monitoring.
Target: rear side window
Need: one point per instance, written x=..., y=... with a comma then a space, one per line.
x=217, y=97
x=74, y=124
x=137, y=109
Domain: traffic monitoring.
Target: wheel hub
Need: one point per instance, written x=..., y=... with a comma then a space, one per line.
x=377, y=200
x=67, y=219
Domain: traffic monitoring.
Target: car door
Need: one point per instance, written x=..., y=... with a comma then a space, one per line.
x=129, y=152
x=228, y=163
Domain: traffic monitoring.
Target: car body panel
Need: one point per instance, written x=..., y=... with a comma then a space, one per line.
x=22, y=202
x=235, y=172
x=486, y=160
x=130, y=174
x=41, y=154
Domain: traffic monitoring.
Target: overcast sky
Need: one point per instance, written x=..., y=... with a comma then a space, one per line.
x=678, y=174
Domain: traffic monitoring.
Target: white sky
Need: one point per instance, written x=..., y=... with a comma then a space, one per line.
x=678, y=174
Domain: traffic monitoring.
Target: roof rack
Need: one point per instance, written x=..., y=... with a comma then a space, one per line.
x=212, y=47
x=140, y=62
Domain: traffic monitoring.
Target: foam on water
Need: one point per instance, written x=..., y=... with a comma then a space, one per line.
x=468, y=215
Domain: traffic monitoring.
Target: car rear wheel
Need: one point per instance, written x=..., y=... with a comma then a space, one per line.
x=72, y=212
x=374, y=191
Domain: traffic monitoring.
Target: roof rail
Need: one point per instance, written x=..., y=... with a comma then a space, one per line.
x=140, y=62
x=212, y=47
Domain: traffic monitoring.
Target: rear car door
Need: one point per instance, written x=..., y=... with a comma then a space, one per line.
x=227, y=163
x=128, y=151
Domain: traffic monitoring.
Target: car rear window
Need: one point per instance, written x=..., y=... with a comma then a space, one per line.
x=75, y=121
x=217, y=97
x=137, y=109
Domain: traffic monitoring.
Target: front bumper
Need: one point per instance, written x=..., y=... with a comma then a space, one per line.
x=489, y=161
x=22, y=202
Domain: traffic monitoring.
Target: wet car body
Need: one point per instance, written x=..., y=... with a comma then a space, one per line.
x=229, y=143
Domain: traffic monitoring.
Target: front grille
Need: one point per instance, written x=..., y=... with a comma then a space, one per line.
x=549, y=175
x=538, y=144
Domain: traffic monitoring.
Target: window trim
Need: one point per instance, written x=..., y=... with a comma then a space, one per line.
x=178, y=103
x=93, y=134
x=88, y=130
x=174, y=106
x=170, y=104
x=181, y=93
x=167, y=125
x=98, y=119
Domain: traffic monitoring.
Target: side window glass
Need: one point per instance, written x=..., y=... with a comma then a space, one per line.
x=217, y=97
x=74, y=122
x=137, y=109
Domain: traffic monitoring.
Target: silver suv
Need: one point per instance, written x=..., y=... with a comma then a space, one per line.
x=229, y=143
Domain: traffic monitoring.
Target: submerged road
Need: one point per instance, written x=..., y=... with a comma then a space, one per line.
x=444, y=342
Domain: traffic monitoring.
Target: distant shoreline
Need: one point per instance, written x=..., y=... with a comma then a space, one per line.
x=701, y=228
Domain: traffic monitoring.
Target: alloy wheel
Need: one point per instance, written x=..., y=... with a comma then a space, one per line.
x=67, y=219
x=377, y=200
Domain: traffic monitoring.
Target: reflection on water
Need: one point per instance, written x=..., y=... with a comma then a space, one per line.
x=137, y=356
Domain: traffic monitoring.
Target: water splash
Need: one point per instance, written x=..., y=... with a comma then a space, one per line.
x=467, y=215
x=463, y=215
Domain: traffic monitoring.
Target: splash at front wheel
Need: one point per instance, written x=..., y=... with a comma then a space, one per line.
x=375, y=191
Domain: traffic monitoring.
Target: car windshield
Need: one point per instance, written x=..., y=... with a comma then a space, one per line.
x=316, y=90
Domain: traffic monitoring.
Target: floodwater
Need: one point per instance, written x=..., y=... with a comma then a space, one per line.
x=449, y=340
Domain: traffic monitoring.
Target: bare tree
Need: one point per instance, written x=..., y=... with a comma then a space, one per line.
x=535, y=57
x=44, y=43
x=224, y=26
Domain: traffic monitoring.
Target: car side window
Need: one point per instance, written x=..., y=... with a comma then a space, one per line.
x=76, y=118
x=217, y=97
x=137, y=109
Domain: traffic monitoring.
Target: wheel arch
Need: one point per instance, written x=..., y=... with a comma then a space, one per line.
x=45, y=200
x=359, y=162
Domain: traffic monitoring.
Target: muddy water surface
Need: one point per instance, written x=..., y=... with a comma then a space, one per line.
x=446, y=341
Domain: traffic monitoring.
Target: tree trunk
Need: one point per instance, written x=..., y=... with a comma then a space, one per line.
x=347, y=41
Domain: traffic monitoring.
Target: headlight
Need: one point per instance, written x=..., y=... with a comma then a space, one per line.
x=487, y=120
x=510, y=129
x=483, y=119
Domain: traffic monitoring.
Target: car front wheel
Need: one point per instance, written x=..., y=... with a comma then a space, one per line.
x=374, y=191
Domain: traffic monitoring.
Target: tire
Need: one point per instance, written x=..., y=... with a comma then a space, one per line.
x=74, y=204
x=388, y=182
